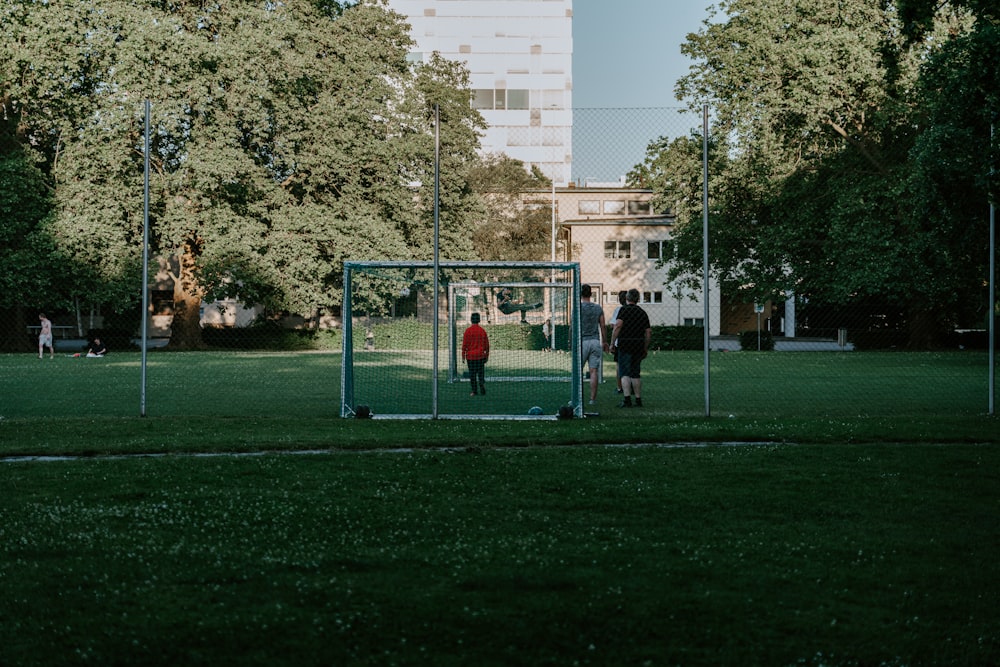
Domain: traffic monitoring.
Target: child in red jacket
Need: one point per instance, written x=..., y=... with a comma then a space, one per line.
x=476, y=352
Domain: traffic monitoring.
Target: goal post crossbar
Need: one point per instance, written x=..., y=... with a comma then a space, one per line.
x=400, y=264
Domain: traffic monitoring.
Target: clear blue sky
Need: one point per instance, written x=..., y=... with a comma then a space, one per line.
x=626, y=60
x=627, y=53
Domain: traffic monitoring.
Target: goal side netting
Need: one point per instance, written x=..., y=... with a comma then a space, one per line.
x=402, y=344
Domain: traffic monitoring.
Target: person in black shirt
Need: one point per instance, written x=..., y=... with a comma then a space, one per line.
x=97, y=349
x=631, y=336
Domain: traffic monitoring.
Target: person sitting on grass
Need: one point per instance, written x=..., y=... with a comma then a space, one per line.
x=507, y=305
x=97, y=349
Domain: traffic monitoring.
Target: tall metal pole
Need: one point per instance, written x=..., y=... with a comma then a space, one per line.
x=145, y=263
x=992, y=316
x=552, y=273
x=704, y=254
x=437, y=250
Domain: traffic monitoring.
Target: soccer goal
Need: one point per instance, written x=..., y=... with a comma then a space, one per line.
x=402, y=344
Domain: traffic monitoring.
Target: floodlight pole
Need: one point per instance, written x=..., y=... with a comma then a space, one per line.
x=437, y=258
x=145, y=263
x=706, y=343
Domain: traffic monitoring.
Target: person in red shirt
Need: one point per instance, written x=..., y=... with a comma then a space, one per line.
x=476, y=352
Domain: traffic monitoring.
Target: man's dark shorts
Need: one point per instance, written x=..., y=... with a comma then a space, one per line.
x=629, y=364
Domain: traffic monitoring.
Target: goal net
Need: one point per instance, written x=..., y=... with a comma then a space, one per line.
x=402, y=346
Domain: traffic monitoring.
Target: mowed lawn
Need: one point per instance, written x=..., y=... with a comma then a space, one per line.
x=767, y=554
x=308, y=385
x=833, y=509
x=266, y=401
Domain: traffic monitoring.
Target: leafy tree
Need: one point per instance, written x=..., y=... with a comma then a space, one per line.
x=286, y=137
x=29, y=259
x=507, y=229
x=443, y=84
x=823, y=104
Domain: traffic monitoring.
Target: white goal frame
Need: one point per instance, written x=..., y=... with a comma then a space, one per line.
x=573, y=380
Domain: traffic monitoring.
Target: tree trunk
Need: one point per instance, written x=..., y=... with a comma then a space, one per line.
x=14, y=336
x=185, y=328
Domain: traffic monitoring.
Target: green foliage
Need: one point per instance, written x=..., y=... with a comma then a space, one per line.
x=271, y=336
x=412, y=334
x=754, y=340
x=287, y=137
x=508, y=230
x=879, y=339
x=28, y=257
x=677, y=338
x=855, y=169
x=519, y=336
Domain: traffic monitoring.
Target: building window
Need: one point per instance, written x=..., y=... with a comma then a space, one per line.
x=482, y=98
x=652, y=297
x=517, y=99
x=694, y=321
x=589, y=207
x=617, y=249
x=499, y=99
x=552, y=99
x=636, y=207
x=657, y=250
x=614, y=208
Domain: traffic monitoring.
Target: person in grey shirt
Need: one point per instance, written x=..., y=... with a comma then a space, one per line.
x=592, y=341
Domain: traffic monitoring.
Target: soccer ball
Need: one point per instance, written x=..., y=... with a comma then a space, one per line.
x=535, y=411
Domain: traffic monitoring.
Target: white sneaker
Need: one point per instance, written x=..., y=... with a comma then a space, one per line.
x=592, y=402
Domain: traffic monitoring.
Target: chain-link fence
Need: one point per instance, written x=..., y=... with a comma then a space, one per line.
x=786, y=341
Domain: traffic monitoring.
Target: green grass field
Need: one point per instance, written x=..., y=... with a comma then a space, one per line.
x=855, y=524
x=717, y=555
x=259, y=401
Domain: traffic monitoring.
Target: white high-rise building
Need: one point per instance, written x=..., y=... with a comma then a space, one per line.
x=520, y=57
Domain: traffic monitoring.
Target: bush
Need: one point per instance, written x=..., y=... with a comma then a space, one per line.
x=881, y=339
x=749, y=341
x=976, y=339
x=677, y=338
x=271, y=336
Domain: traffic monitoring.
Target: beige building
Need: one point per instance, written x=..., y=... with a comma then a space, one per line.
x=619, y=240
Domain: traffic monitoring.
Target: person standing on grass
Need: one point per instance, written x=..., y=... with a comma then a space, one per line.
x=614, y=348
x=592, y=333
x=45, y=337
x=632, y=335
x=476, y=352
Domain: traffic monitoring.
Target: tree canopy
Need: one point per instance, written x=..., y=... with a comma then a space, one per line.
x=507, y=229
x=286, y=138
x=849, y=155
